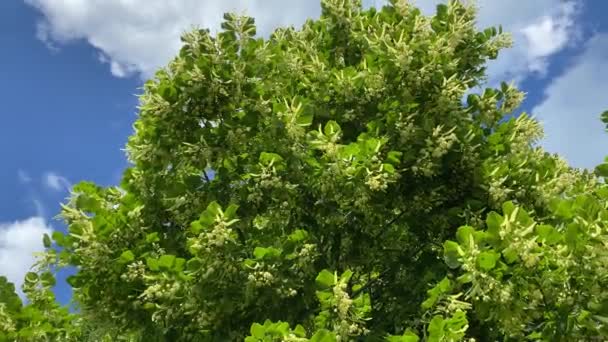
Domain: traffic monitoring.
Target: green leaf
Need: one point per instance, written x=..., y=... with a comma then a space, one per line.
x=394, y=338
x=31, y=277
x=508, y=208
x=194, y=265
x=209, y=216
x=196, y=227
x=46, y=241
x=150, y=306
x=442, y=11
x=257, y=330
x=270, y=158
x=230, y=164
x=345, y=277
x=494, y=222
x=167, y=91
x=178, y=266
x=165, y=262
x=299, y=331
x=231, y=212
x=126, y=257
x=74, y=281
x=298, y=235
x=473, y=100
x=85, y=187
x=214, y=208
x=456, y=325
x=602, y=170
x=389, y=168
x=46, y=328
x=563, y=208
x=323, y=336
x=331, y=128
x=495, y=138
x=490, y=32
x=571, y=235
x=443, y=287
x=548, y=235
x=48, y=279
x=59, y=238
x=152, y=237
x=394, y=157
x=465, y=278
x=304, y=120
x=410, y=336
x=604, y=116
x=602, y=319
x=510, y=255
x=282, y=328
x=152, y=264
x=523, y=218
x=582, y=316
x=279, y=107
x=465, y=235
x=206, y=220
x=452, y=254
x=261, y=253
x=487, y=260
x=325, y=279
x=435, y=329
x=313, y=162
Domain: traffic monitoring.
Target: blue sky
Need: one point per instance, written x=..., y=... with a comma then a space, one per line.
x=70, y=71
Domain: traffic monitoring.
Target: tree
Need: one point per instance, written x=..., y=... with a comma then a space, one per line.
x=330, y=184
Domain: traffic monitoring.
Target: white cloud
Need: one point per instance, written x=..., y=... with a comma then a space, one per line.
x=549, y=35
x=56, y=182
x=540, y=28
x=40, y=210
x=574, y=101
x=23, y=177
x=19, y=241
x=142, y=35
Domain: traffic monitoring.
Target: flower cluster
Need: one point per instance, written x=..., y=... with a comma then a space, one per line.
x=6, y=322
x=160, y=291
x=437, y=145
x=135, y=271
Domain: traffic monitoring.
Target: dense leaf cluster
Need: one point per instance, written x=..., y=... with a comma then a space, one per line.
x=330, y=184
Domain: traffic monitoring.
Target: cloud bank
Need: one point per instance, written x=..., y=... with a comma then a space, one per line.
x=139, y=36
x=136, y=37
x=56, y=182
x=572, y=107
x=19, y=241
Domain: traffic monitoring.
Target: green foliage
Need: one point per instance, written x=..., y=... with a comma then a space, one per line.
x=540, y=278
x=330, y=184
x=41, y=319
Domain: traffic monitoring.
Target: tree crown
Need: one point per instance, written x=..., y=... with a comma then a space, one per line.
x=331, y=184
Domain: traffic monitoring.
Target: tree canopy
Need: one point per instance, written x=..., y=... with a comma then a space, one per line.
x=354, y=179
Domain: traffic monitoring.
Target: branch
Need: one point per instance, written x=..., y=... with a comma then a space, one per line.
x=389, y=223
x=384, y=273
x=393, y=220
